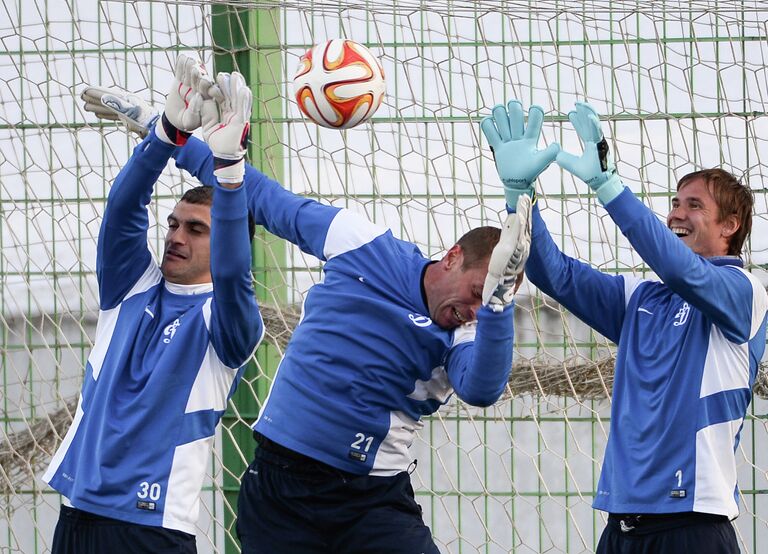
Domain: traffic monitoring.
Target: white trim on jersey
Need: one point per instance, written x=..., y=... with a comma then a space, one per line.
x=349, y=231
x=716, y=469
x=631, y=282
x=465, y=333
x=189, y=290
x=105, y=326
x=393, y=450
x=438, y=387
x=213, y=375
x=759, y=302
x=61, y=451
x=185, y=481
x=726, y=366
x=149, y=279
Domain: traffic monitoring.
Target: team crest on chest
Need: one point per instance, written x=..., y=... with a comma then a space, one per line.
x=420, y=320
x=170, y=330
x=681, y=317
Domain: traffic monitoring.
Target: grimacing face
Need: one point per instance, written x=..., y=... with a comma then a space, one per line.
x=694, y=219
x=457, y=297
x=187, y=254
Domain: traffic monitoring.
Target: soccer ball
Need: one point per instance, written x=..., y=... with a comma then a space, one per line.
x=339, y=84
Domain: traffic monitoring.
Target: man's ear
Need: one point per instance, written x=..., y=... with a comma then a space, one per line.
x=730, y=225
x=454, y=257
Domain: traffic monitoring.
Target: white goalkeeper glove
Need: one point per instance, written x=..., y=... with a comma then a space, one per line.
x=508, y=257
x=116, y=104
x=184, y=102
x=226, y=125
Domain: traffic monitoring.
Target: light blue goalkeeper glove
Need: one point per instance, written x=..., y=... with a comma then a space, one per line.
x=518, y=160
x=595, y=166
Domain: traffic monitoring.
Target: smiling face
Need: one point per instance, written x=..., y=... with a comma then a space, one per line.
x=454, y=292
x=187, y=255
x=695, y=219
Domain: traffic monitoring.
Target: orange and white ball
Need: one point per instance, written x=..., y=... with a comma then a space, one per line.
x=339, y=84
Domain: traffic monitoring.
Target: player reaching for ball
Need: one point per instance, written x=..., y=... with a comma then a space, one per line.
x=385, y=338
x=688, y=347
x=171, y=339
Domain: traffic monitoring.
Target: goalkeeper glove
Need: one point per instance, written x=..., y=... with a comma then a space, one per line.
x=184, y=102
x=508, y=257
x=518, y=160
x=595, y=166
x=116, y=104
x=226, y=125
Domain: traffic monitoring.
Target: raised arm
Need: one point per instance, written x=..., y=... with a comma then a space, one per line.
x=122, y=254
x=236, y=326
x=479, y=363
x=596, y=298
x=723, y=293
x=299, y=220
x=584, y=291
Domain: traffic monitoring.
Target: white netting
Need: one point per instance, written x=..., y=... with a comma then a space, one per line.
x=682, y=85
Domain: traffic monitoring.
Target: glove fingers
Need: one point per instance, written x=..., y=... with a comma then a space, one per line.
x=101, y=111
x=215, y=93
x=502, y=122
x=93, y=94
x=244, y=104
x=535, y=121
x=194, y=77
x=223, y=81
x=180, y=67
x=516, y=120
x=488, y=127
x=204, y=86
x=589, y=123
x=209, y=114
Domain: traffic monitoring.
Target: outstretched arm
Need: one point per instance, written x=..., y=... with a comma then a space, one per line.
x=722, y=293
x=236, y=325
x=300, y=220
x=575, y=285
x=122, y=255
x=478, y=369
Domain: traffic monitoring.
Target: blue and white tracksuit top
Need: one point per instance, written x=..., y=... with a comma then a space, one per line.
x=688, y=353
x=164, y=363
x=366, y=361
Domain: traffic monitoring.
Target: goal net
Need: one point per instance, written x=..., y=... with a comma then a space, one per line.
x=682, y=85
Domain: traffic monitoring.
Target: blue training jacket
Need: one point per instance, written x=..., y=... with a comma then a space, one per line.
x=688, y=352
x=366, y=361
x=165, y=361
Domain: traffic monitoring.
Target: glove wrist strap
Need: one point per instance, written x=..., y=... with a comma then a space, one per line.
x=610, y=189
x=167, y=132
x=228, y=171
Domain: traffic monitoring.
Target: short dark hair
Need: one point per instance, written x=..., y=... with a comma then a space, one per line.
x=477, y=245
x=204, y=195
x=732, y=198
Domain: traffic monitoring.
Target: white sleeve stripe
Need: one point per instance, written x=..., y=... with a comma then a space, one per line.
x=759, y=302
x=465, y=333
x=631, y=282
x=349, y=231
x=149, y=279
x=207, y=314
